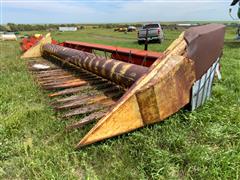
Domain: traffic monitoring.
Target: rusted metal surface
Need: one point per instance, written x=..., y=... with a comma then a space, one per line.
x=86, y=120
x=205, y=44
x=71, y=91
x=124, y=74
x=124, y=96
x=75, y=92
x=91, y=108
x=77, y=102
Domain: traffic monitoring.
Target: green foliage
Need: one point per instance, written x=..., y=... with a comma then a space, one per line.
x=203, y=144
x=32, y=27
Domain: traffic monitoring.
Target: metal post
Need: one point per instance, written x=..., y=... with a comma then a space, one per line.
x=146, y=41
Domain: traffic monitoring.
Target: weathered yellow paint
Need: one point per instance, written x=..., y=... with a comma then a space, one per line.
x=116, y=63
x=174, y=86
x=148, y=106
x=96, y=67
x=90, y=64
x=174, y=44
x=124, y=69
x=154, y=97
x=125, y=119
x=84, y=62
x=103, y=67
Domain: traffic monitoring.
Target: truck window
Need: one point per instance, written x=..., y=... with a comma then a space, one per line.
x=148, y=26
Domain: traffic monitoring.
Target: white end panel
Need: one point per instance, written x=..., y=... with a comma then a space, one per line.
x=201, y=90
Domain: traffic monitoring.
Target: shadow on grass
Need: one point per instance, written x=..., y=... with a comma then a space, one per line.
x=232, y=44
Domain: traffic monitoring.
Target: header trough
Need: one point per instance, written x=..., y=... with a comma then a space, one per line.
x=124, y=95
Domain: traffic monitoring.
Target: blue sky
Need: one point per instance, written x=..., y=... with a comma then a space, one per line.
x=112, y=11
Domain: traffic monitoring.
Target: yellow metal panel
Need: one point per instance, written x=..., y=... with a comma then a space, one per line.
x=124, y=119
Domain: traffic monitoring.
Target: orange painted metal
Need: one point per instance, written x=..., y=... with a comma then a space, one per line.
x=28, y=42
x=135, y=56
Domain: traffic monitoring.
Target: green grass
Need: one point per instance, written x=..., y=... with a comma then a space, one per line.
x=203, y=144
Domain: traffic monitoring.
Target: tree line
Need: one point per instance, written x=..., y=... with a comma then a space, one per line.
x=33, y=27
x=51, y=27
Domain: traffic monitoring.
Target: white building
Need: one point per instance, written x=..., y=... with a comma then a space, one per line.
x=67, y=29
x=187, y=25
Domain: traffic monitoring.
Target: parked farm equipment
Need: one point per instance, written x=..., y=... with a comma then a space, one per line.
x=121, y=29
x=131, y=88
x=30, y=41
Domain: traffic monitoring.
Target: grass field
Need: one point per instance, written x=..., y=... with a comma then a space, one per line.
x=204, y=144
